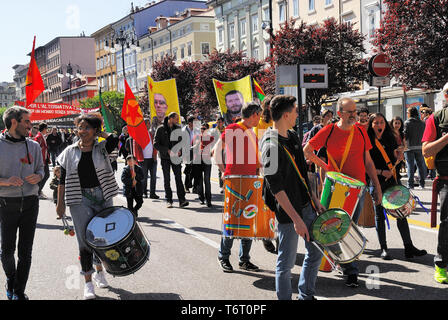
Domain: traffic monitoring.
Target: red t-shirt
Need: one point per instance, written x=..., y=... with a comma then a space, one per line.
x=354, y=164
x=241, y=150
x=430, y=133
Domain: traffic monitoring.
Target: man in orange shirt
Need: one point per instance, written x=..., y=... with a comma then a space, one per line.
x=356, y=164
x=241, y=159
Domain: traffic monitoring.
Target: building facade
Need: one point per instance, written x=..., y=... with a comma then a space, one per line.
x=81, y=88
x=241, y=26
x=54, y=59
x=188, y=36
x=20, y=71
x=106, y=67
x=7, y=94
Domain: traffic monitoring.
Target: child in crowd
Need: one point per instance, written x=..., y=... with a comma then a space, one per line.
x=132, y=178
x=55, y=182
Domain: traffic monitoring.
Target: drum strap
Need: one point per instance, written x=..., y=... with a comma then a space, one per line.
x=296, y=168
x=345, y=154
x=386, y=158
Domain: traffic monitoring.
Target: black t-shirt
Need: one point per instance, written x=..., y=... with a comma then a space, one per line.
x=285, y=177
x=389, y=146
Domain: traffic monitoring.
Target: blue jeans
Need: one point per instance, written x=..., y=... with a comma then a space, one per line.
x=441, y=259
x=415, y=156
x=17, y=215
x=82, y=214
x=149, y=167
x=287, y=251
x=226, y=247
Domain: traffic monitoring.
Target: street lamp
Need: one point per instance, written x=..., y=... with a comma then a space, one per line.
x=69, y=73
x=124, y=41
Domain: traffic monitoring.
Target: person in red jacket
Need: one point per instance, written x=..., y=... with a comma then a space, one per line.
x=40, y=138
x=147, y=160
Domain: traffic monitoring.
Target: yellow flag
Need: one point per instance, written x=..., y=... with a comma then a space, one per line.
x=232, y=95
x=163, y=98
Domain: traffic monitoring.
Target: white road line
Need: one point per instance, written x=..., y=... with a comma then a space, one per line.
x=186, y=230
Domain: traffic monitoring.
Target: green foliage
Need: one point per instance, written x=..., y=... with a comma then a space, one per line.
x=2, y=111
x=113, y=99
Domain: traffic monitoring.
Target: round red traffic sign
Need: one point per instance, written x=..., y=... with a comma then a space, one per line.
x=379, y=65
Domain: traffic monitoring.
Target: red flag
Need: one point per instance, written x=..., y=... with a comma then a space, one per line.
x=132, y=114
x=34, y=82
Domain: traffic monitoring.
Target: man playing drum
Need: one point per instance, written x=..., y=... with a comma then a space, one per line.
x=435, y=143
x=348, y=152
x=241, y=148
x=287, y=193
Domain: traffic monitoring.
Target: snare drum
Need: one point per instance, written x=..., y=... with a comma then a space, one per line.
x=245, y=215
x=118, y=241
x=338, y=235
x=341, y=191
x=398, y=201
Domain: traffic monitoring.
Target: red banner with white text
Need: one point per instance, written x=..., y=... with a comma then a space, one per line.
x=46, y=111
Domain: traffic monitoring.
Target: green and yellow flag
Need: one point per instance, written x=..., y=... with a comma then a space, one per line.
x=107, y=115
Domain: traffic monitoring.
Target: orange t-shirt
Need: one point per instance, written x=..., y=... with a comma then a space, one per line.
x=354, y=165
x=241, y=150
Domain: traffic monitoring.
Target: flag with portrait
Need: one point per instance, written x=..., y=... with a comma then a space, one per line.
x=163, y=99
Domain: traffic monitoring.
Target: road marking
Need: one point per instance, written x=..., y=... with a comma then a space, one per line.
x=186, y=230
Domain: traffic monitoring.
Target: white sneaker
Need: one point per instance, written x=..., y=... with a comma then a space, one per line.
x=89, y=291
x=100, y=280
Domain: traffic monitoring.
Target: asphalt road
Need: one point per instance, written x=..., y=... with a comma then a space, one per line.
x=183, y=261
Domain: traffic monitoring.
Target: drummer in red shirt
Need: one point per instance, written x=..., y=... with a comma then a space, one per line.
x=356, y=163
x=241, y=159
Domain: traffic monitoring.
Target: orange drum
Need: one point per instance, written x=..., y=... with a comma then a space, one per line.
x=245, y=214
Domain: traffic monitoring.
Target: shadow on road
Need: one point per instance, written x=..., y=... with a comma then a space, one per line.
x=127, y=295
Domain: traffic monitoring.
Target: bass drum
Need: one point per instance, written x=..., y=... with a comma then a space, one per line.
x=118, y=241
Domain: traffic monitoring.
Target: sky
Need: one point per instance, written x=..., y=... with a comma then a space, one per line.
x=21, y=20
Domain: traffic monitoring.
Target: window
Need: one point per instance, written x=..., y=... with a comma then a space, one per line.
x=189, y=49
x=220, y=35
x=254, y=19
x=311, y=6
x=371, y=24
x=255, y=52
x=281, y=12
x=266, y=14
x=295, y=8
x=232, y=31
x=205, y=48
x=182, y=52
x=243, y=27
x=328, y=2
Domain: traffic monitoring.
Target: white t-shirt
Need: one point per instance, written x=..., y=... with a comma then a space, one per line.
x=147, y=152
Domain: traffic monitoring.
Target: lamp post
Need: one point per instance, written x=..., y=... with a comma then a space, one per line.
x=69, y=73
x=124, y=41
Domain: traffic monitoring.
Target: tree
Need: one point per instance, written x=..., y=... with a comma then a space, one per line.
x=224, y=66
x=414, y=34
x=337, y=45
x=113, y=99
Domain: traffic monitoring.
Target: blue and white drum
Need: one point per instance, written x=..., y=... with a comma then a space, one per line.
x=118, y=241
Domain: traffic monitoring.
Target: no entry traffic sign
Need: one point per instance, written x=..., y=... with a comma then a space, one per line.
x=379, y=65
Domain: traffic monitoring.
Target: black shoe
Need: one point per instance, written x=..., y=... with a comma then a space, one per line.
x=20, y=296
x=249, y=266
x=184, y=204
x=209, y=205
x=269, y=246
x=145, y=195
x=411, y=252
x=154, y=196
x=385, y=255
x=352, y=281
x=225, y=265
x=202, y=201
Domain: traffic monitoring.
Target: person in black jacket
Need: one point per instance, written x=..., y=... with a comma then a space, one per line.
x=163, y=144
x=288, y=194
x=54, y=142
x=132, y=178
